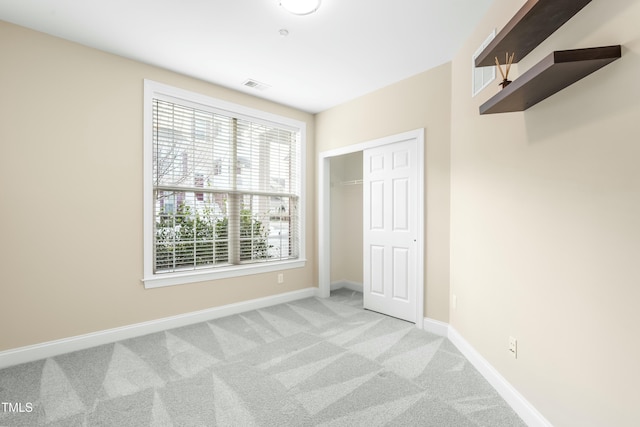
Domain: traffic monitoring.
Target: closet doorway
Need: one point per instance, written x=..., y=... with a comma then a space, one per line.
x=346, y=221
x=347, y=180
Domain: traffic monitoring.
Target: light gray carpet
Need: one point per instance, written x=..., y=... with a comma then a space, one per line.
x=310, y=362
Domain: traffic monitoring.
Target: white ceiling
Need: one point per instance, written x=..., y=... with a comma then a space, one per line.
x=346, y=49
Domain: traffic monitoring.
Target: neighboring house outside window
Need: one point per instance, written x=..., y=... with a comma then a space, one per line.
x=223, y=189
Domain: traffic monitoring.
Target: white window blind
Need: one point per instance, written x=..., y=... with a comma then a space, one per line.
x=226, y=189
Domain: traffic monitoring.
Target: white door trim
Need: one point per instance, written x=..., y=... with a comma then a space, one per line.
x=324, y=212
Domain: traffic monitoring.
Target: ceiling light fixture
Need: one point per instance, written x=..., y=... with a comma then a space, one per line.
x=300, y=7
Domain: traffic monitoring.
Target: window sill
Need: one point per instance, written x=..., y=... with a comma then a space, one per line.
x=172, y=279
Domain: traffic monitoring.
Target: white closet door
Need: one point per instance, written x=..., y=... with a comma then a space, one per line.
x=390, y=229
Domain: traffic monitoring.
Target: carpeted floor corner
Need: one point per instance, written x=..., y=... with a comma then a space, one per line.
x=313, y=362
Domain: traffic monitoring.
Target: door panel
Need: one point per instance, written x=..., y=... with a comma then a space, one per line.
x=377, y=205
x=376, y=162
x=400, y=276
x=377, y=270
x=390, y=229
x=401, y=159
x=400, y=204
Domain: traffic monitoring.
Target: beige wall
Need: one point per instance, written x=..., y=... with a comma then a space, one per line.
x=346, y=218
x=422, y=101
x=545, y=225
x=71, y=194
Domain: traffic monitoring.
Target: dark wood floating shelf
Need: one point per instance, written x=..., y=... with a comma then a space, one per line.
x=554, y=73
x=533, y=23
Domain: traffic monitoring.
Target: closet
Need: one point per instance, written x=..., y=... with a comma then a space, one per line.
x=346, y=221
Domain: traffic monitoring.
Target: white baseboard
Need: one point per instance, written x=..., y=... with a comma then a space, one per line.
x=523, y=408
x=80, y=342
x=435, y=327
x=520, y=405
x=346, y=284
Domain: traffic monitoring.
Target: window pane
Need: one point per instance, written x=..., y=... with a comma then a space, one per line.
x=191, y=147
x=267, y=231
x=190, y=232
x=266, y=158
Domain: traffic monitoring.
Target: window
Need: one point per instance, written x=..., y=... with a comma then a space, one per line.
x=481, y=77
x=223, y=189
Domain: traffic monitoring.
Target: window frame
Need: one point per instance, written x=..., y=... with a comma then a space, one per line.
x=156, y=90
x=480, y=70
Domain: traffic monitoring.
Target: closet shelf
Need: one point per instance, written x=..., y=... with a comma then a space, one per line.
x=533, y=23
x=347, y=183
x=554, y=73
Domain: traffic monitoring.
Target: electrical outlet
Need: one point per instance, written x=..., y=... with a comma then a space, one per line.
x=513, y=347
x=280, y=278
